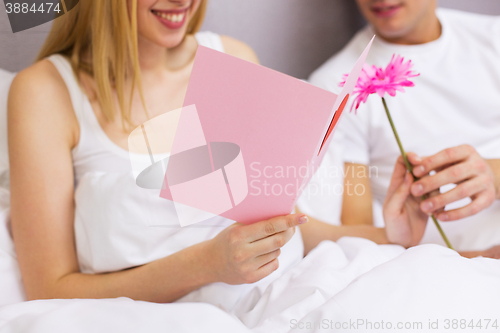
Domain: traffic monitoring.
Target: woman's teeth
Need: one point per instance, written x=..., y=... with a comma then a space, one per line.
x=171, y=17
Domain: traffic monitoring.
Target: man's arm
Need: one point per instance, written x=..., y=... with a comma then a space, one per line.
x=315, y=231
x=495, y=167
x=357, y=199
x=405, y=223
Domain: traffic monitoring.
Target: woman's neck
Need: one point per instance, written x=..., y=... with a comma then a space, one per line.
x=153, y=58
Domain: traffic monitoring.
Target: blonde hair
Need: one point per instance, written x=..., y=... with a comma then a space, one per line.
x=108, y=33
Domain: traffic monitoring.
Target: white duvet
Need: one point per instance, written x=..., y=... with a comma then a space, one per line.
x=353, y=285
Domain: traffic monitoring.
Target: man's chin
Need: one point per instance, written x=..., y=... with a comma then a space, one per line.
x=392, y=33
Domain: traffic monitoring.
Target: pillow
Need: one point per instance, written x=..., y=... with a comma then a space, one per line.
x=11, y=287
x=5, y=81
x=11, y=284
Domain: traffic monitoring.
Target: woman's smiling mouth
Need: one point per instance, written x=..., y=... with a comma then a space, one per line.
x=172, y=19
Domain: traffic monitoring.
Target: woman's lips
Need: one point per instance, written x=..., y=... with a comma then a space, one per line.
x=386, y=11
x=172, y=19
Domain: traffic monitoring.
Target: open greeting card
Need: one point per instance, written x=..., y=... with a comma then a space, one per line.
x=246, y=142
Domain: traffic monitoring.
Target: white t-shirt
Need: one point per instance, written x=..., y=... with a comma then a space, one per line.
x=456, y=100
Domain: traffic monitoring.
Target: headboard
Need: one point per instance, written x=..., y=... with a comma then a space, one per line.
x=292, y=36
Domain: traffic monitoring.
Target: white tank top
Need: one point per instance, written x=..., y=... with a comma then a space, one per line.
x=119, y=225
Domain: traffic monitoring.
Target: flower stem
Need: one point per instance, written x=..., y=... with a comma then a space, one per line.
x=410, y=169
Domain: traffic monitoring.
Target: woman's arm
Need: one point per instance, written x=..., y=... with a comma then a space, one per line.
x=42, y=131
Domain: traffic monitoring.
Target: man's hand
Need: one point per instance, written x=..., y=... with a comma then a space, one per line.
x=404, y=221
x=493, y=253
x=462, y=166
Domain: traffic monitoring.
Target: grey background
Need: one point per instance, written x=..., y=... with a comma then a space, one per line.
x=292, y=36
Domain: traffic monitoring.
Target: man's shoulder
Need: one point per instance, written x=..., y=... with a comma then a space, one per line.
x=470, y=23
x=465, y=17
x=329, y=75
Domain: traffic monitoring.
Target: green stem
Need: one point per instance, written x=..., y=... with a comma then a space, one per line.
x=410, y=169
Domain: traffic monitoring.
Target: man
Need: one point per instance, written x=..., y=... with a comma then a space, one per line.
x=450, y=119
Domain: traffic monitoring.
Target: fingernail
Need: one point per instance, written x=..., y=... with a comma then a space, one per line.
x=408, y=178
x=418, y=189
x=418, y=159
x=303, y=219
x=443, y=217
x=419, y=170
x=427, y=206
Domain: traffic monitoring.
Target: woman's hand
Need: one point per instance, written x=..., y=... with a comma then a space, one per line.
x=248, y=253
x=404, y=221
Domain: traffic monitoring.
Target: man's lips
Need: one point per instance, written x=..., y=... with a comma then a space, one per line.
x=173, y=18
x=386, y=11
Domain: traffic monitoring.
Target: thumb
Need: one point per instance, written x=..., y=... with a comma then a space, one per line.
x=398, y=175
x=414, y=158
x=396, y=201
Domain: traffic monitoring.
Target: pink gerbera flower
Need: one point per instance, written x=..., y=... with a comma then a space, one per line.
x=377, y=80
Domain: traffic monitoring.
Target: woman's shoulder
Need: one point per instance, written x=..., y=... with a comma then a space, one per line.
x=239, y=49
x=226, y=44
x=41, y=78
x=39, y=93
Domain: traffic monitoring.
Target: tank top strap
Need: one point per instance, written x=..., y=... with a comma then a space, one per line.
x=210, y=40
x=94, y=145
x=205, y=38
x=76, y=94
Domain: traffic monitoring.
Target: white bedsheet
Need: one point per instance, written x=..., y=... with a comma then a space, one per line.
x=343, y=287
x=11, y=289
x=340, y=283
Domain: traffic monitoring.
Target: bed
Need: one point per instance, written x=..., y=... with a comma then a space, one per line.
x=353, y=285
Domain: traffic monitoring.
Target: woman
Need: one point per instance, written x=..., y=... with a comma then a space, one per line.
x=81, y=226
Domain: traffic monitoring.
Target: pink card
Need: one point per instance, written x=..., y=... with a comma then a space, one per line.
x=248, y=139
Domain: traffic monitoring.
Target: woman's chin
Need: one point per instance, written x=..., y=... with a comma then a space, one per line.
x=172, y=41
